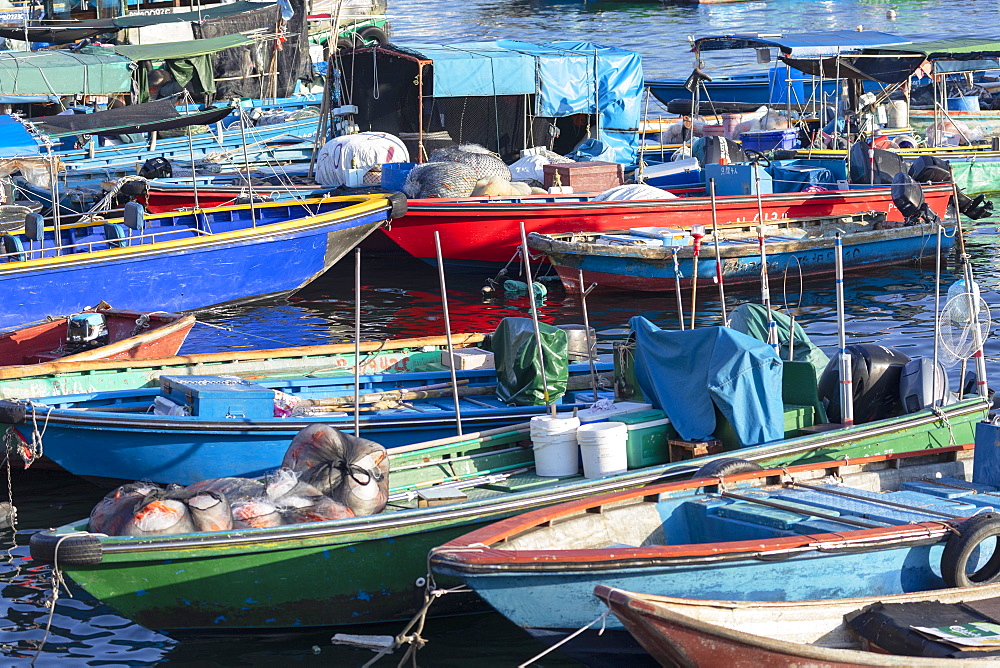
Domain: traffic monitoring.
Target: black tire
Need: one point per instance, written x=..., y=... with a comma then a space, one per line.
x=84, y=549
x=373, y=36
x=724, y=466
x=961, y=545
x=12, y=412
x=345, y=44
x=398, y=201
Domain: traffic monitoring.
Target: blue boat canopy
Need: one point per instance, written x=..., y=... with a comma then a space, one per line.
x=477, y=69
x=689, y=374
x=803, y=44
x=15, y=139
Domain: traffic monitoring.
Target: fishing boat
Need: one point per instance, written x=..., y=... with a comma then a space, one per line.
x=377, y=357
x=162, y=261
x=162, y=195
x=775, y=633
x=199, y=427
x=103, y=333
x=477, y=232
x=626, y=261
x=239, y=579
x=869, y=526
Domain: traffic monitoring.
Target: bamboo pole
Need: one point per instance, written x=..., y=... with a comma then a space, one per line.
x=534, y=319
x=586, y=327
x=718, y=253
x=357, y=341
x=447, y=330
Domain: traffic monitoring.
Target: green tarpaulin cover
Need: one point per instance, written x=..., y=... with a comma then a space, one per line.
x=215, y=12
x=175, y=50
x=519, y=377
x=63, y=73
x=751, y=319
x=943, y=48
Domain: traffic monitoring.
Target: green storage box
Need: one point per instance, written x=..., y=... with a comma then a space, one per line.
x=796, y=417
x=648, y=432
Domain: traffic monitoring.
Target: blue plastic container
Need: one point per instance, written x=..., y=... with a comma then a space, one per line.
x=770, y=139
x=394, y=174
x=970, y=103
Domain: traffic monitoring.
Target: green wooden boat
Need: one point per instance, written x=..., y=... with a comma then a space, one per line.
x=389, y=356
x=371, y=569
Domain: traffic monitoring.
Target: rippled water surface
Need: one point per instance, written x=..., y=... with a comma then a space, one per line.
x=401, y=298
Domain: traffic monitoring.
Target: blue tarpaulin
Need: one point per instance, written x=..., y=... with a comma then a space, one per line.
x=477, y=69
x=566, y=78
x=803, y=44
x=15, y=140
x=688, y=374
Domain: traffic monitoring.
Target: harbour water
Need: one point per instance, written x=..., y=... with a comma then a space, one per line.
x=893, y=306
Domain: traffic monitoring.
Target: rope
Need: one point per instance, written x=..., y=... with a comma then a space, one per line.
x=57, y=582
x=33, y=451
x=230, y=329
x=600, y=618
x=944, y=418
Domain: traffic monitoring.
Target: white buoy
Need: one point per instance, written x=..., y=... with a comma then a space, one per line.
x=891, y=14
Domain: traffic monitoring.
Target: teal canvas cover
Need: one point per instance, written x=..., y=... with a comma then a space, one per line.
x=57, y=73
x=477, y=69
x=689, y=374
x=519, y=376
x=751, y=319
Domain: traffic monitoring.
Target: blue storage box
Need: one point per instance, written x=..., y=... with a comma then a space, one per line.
x=219, y=397
x=394, y=174
x=739, y=179
x=770, y=139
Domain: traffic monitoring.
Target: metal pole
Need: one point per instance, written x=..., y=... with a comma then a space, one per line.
x=697, y=232
x=765, y=291
x=194, y=174
x=56, y=215
x=447, y=329
x=357, y=342
x=534, y=318
x=846, y=389
x=937, y=314
x=586, y=326
x=718, y=253
x=677, y=287
x=246, y=162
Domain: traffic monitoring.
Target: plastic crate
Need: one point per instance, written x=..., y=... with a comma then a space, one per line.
x=648, y=433
x=394, y=174
x=770, y=139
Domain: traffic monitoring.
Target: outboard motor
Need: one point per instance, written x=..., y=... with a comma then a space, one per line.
x=875, y=372
x=719, y=150
x=156, y=168
x=908, y=197
x=931, y=169
x=917, y=385
x=86, y=330
x=887, y=164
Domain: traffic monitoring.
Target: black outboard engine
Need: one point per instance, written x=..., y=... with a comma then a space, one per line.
x=875, y=372
x=908, y=197
x=719, y=150
x=930, y=169
x=156, y=168
x=886, y=164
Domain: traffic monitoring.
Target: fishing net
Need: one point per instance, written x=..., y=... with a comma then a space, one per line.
x=959, y=332
x=440, y=179
x=485, y=163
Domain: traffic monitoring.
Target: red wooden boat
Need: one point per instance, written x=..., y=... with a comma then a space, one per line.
x=786, y=634
x=111, y=334
x=487, y=230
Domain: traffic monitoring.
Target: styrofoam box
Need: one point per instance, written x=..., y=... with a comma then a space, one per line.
x=469, y=358
x=595, y=415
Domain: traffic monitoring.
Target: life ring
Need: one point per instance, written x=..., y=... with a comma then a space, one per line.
x=960, y=548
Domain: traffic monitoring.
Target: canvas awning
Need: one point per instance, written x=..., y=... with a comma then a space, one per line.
x=147, y=117
x=476, y=69
x=958, y=48
x=214, y=12
x=52, y=74
x=175, y=50
x=802, y=44
x=891, y=70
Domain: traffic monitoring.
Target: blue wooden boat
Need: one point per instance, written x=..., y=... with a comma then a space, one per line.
x=179, y=262
x=871, y=526
x=791, y=245
x=233, y=430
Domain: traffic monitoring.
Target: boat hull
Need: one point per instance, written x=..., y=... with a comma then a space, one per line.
x=482, y=232
x=372, y=568
x=652, y=269
x=192, y=273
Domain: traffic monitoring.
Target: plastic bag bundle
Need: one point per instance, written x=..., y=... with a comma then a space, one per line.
x=299, y=501
x=350, y=470
x=257, y=513
x=160, y=513
x=633, y=191
x=358, y=151
x=440, y=179
x=118, y=507
x=234, y=489
x=529, y=168
x=275, y=116
x=210, y=511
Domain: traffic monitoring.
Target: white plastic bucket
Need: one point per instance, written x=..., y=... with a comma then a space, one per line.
x=899, y=114
x=554, y=441
x=603, y=448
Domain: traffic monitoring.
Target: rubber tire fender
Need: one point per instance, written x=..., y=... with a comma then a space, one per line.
x=960, y=546
x=399, y=205
x=82, y=549
x=373, y=34
x=724, y=466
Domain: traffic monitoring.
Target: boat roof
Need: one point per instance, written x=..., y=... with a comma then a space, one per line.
x=157, y=115
x=172, y=50
x=956, y=47
x=802, y=44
